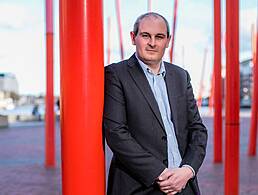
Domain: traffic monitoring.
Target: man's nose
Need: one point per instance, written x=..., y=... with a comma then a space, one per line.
x=152, y=42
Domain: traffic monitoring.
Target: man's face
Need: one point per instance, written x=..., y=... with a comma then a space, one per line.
x=151, y=40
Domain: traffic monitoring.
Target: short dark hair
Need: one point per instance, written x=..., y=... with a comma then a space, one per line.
x=152, y=14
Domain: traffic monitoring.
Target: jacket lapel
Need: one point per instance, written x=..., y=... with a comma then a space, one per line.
x=170, y=80
x=141, y=81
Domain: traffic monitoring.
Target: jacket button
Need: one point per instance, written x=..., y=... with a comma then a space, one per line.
x=164, y=138
x=165, y=161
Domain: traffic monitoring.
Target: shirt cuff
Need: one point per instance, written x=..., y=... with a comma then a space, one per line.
x=191, y=169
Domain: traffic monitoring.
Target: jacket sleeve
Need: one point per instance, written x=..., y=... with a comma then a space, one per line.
x=197, y=136
x=138, y=161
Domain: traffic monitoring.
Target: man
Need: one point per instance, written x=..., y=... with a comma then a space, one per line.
x=151, y=120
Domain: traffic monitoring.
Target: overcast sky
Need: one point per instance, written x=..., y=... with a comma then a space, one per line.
x=22, y=36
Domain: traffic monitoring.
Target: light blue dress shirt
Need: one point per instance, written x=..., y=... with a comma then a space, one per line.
x=159, y=89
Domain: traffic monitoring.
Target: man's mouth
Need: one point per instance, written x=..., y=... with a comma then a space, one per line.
x=151, y=50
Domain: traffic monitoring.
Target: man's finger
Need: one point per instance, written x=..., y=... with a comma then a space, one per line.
x=165, y=175
x=166, y=188
x=172, y=192
x=164, y=183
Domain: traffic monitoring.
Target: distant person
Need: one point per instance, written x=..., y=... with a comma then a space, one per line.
x=35, y=112
x=151, y=120
x=58, y=103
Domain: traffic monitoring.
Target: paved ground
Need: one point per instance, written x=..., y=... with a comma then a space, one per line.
x=211, y=176
x=22, y=169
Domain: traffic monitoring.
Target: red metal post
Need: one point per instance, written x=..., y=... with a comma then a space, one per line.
x=211, y=99
x=217, y=84
x=82, y=95
x=109, y=40
x=173, y=31
x=253, y=41
x=118, y=15
x=50, y=116
x=232, y=98
x=201, y=89
x=254, y=111
x=183, y=56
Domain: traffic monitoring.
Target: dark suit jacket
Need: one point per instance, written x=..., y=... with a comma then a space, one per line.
x=135, y=132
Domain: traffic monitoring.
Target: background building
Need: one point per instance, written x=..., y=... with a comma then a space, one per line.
x=9, y=90
x=246, y=82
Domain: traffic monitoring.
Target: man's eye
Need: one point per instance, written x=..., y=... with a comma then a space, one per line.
x=145, y=36
x=159, y=37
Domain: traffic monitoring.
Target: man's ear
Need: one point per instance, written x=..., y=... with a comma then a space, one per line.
x=132, y=37
x=168, y=41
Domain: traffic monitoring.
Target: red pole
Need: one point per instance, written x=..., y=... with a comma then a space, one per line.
x=199, y=100
x=109, y=41
x=173, y=31
x=232, y=98
x=119, y=28
x=50, y=116
x=217, y=84
x=211, y=99
x=254, y=111
x=82, y=94
x=183, y=56
x=253, y=41
x=149, y=5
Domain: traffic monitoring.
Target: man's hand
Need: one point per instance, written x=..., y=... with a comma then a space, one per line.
x=172, y=181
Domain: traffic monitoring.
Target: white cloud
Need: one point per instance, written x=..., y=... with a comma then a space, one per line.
x=22, y=36
x=22, y=49
x=247, y=19
x=13, y=16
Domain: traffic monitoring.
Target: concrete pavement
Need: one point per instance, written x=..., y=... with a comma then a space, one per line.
x=22, y=170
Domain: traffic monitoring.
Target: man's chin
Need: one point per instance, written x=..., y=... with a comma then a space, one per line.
x=151, y=61
x=151, y=58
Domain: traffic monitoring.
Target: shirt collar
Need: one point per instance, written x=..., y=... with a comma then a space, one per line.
x=146, y=69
